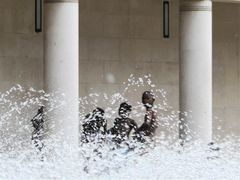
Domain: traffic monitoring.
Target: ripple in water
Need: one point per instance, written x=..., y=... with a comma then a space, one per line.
x=162, y=159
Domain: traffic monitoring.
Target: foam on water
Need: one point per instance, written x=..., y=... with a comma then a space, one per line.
x=162, y=159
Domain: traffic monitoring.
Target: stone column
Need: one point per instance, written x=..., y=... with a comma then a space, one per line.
x=61, y=66
x=196, y=69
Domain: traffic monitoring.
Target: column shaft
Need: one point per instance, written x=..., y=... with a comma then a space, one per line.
x=61, y=65
x=196, y=69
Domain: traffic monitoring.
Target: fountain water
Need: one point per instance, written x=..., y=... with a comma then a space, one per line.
x=162, y=159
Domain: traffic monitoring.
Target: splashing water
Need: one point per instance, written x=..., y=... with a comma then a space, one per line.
x=162, y=159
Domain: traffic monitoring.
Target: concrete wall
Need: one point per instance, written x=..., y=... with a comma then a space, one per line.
x=21, y=52
x=123, y=37
x=226, y=66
